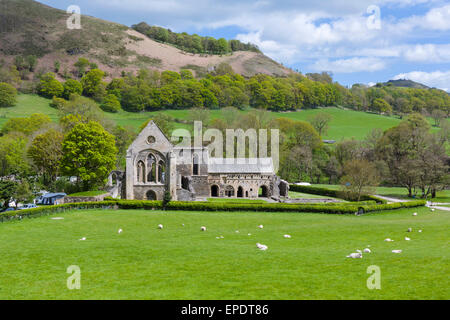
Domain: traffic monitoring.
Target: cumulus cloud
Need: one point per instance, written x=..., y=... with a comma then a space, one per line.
x=329, y=34
x=436, y=79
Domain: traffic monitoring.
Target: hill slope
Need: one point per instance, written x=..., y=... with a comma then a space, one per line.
x=406, y=84
x=31, y=28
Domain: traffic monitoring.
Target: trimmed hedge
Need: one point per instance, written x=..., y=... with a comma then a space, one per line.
x=344, y=208
x=332, y=193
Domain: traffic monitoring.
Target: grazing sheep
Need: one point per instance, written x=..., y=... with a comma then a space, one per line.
x=120, y=231
x=249, y=234
x=407, y=239
x=182, y=224
x=432, y=210
x=287, y=236
x=160, y=226
x=396, y=251
x=409, y=229
x=237, y=231
x=261, y=246
x=420, y=230
x=415, y=214
x=203, y=228
x=367, y=250
x=83, y=239
x=388, y=240
x=261, y=226
x=356, y=255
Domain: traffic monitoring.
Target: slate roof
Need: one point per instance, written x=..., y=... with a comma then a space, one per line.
x=241, y=165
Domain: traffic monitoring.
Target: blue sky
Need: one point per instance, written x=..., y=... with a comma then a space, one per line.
x=361, y=41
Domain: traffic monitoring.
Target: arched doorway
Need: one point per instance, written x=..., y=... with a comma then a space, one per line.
x=229, y=191
x=151, y=195
x=240, y=192
x=263, y=192
x=214, y=191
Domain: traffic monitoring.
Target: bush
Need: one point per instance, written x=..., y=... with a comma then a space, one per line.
x=345, y=208
x=58, y=103
x=110, y=104
x=332, y=193
x=72, y=87
x=8, y=95
x=49, y=87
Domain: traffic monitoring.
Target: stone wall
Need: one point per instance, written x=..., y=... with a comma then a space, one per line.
x=85, y=199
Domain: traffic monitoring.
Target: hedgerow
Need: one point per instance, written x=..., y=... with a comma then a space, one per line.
x=335, y=208
x=332, y=193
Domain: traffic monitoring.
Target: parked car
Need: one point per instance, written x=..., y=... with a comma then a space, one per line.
x=28, y=206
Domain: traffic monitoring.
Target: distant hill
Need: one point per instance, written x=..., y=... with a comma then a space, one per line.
x=28, y=27
x=406, y=84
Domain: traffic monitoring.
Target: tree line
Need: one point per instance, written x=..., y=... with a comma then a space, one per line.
x=193, y=43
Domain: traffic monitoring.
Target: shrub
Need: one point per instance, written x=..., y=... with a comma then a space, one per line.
x=49, y=87
x=58, y=103
x=345, y=208
x=72, y=86
x=331, y=193
x=110, y=104
x=8, y=95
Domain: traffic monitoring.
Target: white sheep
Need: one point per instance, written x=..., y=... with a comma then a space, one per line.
x=355, y=255
x=388, y=240
x=415, y=214
x=261, y=246
x=420, y=231
x=287, y=236
x=396, y=251
x=160, y=226
x=359, y=251
x=120, y=231
x=203, y=228
x=409, y=229
x=407, y=239
x=367, y=250
x=261, y=226
x=83, y=239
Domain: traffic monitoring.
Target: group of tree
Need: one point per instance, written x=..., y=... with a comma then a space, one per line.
x=37, y=153
x=408, y=155
x=193, y=43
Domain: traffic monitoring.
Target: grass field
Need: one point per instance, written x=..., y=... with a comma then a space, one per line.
x=184, y=263
x=345, y=123
x=396, y=192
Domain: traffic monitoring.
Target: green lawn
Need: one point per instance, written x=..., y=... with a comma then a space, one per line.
x=395, y=192
x=293, y=195
x=181, y=262
x=345, y=123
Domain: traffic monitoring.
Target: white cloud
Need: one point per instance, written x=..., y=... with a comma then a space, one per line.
x=350, y=65
x=327, y=34
x=437, y=79
x=428, y=53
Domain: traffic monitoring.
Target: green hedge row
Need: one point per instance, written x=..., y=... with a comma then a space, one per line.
x=332, y=193
x=343, y=208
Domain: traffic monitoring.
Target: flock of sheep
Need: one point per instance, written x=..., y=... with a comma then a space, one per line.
x=355, y=255
x=359, y=254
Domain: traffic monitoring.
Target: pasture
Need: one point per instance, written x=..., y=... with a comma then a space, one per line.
x=182, y=262
x=345, y=123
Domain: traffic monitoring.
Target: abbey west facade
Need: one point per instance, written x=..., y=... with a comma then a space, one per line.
x=154, y=165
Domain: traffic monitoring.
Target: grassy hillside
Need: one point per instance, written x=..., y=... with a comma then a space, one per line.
x=345, y=123
x=28, y=27
x=181, y=262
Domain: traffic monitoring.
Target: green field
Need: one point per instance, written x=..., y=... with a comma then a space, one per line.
x=396, y=192
x=345, y=123
x=181, y=262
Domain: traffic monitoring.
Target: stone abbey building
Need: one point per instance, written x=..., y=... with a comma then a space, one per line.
x=154, y=165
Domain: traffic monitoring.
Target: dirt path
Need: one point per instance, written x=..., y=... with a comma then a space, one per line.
x=391, y=200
